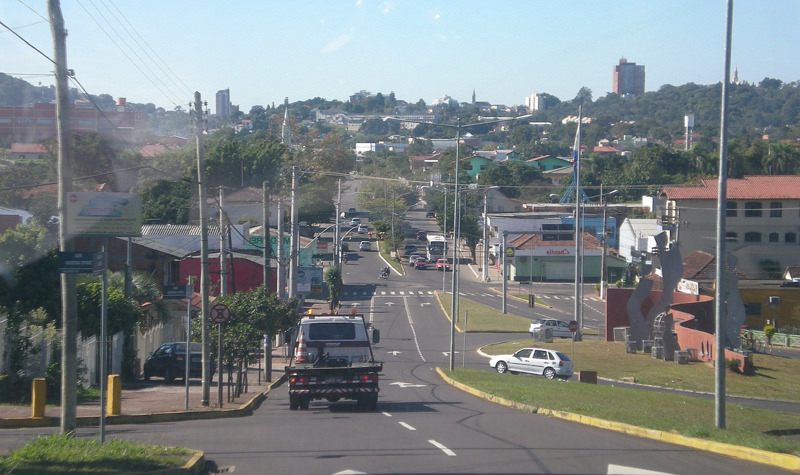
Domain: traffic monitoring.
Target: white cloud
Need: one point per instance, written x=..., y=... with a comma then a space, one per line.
x=337, y=44
x=359, y=3
x=436, y=17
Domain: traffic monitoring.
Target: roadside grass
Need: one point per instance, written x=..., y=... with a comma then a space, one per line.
x=775, y=377
x=65, y=454
x=387, y=256
x=669, y=412
x=482, y=318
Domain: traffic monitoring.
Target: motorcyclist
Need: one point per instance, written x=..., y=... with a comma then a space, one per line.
x=385, y=272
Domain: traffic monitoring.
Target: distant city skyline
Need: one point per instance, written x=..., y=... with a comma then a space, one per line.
x=504, y=51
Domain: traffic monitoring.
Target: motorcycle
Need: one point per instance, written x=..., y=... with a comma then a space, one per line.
x=385, y=274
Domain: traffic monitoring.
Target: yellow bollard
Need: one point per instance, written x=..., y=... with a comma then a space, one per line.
x=114, y=395
x=38, y=397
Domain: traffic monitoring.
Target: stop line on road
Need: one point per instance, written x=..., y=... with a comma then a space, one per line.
x=390, y=293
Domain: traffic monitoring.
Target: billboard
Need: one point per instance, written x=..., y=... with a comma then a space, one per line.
x=103, y=214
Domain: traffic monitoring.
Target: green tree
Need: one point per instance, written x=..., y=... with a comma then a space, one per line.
x=253, y=314
x=511, y=177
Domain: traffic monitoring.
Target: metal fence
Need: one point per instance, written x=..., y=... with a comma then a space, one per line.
x=36, y=360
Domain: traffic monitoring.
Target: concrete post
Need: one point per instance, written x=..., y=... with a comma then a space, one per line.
x=38, y=397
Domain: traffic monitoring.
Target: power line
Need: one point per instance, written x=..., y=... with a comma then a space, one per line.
x=26, y=42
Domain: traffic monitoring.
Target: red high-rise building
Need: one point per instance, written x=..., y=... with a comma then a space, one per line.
x=628, y=78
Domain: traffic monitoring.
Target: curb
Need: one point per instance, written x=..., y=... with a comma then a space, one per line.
x=788, y=462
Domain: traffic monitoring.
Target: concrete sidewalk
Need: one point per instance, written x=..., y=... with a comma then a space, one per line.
x=155, y=401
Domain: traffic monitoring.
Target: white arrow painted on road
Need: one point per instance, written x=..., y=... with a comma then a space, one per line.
x=447, y=353
x=407, y=385
x=389, y=304
x=623, y=470
x=395, y=352
x=350, y=472
x=424, y=304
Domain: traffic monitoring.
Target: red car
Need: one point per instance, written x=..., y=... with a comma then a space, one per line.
x=443, y=264
x=420, y=263
x=421, y=235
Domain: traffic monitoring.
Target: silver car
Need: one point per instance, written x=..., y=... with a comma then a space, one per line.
x=548, y=363
x=559, y=328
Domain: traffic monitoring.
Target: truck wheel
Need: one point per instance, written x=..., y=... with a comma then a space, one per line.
x=304, y=404
x=294, y=403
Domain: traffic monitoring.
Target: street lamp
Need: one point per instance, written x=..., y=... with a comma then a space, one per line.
x=456, y=222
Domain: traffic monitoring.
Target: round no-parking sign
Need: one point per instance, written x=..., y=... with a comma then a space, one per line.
x=220, y=313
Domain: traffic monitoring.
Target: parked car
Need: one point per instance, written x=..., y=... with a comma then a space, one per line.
x=365, y=246
x=169, y=362
x=430, y=214
x=560, y=329
x=419, y=263
x=355, y=221
x=421, y=235
x=548, y=363
x=443, y=264
x=352, y=211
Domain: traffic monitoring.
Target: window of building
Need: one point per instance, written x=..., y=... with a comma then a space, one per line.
x=732, y=237
x=5, y=120
x=775, y=209
x=752, y=237
x=790, y=237
x=45, y=121
x=752, y=209
x=24, y=121
x=732, y=209
x=774, y=237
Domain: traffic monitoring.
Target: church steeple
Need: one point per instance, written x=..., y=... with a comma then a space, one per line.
x=473, y=96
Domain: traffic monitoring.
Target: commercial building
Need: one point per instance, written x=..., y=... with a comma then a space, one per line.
x=223, y=103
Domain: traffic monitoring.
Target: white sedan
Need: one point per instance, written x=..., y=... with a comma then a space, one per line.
x=559, y=328
x=548, y=363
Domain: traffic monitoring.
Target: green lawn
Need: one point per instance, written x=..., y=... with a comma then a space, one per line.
x=668, y=412
x=775, y=377
x=64, y=454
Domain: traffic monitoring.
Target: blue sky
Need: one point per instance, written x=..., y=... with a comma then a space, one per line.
x=163, y=51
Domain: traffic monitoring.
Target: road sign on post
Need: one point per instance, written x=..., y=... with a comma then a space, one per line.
x=220, y=313
x=573, y=326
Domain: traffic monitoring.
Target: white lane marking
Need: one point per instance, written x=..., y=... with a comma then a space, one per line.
x=407, y=385
x=386, y=414
x=407, y=426
x=623, y=470
x=441, y=447
x=413, y=332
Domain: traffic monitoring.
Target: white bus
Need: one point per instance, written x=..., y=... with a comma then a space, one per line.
x=436, y=247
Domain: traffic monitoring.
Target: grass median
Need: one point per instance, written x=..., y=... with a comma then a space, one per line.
x=64, y=454
x=669, y=412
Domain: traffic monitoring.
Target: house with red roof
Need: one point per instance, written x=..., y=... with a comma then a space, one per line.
x=762, y=216
x=28, y=151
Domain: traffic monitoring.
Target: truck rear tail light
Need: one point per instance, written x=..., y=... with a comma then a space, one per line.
x=297, y=380
x=369, y=378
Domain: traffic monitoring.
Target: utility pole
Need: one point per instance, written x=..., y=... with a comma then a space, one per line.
x=267, y=245
x=69, y=305
x=294, y=257
x=281, y=253
x=223, y=258
x=337, y=261
x=205, y=285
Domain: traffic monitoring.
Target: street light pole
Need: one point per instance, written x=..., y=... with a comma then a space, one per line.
x=454, y=298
